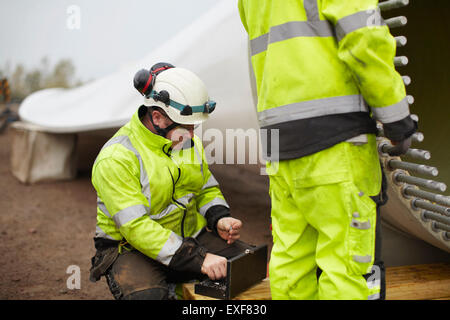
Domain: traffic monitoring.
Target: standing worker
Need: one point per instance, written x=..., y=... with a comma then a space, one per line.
x=324, y=73
x=161, y=217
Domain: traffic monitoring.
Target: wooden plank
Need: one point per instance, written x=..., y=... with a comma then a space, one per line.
x=416, y=282
x=189, y=293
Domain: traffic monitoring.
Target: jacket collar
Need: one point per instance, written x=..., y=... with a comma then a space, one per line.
x=145, y=136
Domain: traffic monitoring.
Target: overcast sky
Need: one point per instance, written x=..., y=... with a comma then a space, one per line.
x=98, y=35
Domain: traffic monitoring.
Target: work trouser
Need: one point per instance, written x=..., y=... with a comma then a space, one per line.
x=134, y=276
x=323, y=215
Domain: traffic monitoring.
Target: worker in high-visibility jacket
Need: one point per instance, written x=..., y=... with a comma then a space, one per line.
x=157, y=199
x=325, y=73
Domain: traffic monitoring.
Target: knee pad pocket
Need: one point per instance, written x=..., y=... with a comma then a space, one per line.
x=361, y=231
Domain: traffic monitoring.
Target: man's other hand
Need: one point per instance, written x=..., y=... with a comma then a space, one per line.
x=214, y=266
x=229, y=229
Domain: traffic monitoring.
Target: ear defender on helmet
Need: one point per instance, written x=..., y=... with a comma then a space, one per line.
x=144, y=80
x=159, y=67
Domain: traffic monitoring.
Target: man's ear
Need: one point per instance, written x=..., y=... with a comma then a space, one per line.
x=157, y=117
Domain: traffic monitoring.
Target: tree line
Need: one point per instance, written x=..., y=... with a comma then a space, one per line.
x=23, y=81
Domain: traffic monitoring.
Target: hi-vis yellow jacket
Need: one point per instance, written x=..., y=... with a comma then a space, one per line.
x=321, y=68
x=149, y=195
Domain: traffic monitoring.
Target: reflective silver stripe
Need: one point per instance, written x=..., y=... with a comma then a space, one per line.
x=292, y=29
x=360, y=225
x=186, y=199
x=214, y=202
x=125, y=141
x=374, y=296
x=99, y=233
x=129, y=214
x=102, y=207
x=319, y=28
x=393, y=112
x=312, y=9
x=362, y=259
x=312, y=108
x=145, y=184
x=212, y=182
x=314, y=27
x=170, y=247
x=358, y=20
x=259, y=44
x=171, y=207
x=374, y=283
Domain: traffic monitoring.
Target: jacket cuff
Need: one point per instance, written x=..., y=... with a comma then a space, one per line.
x=400, y=130
x=214, y=214
x=189, y=257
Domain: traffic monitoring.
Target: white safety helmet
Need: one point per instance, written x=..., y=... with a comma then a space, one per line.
x=177, y=91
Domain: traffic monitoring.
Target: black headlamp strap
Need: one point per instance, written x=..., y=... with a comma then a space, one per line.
x=162, y=131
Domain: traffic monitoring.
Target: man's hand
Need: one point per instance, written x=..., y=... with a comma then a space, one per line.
x=215, y=267
x=400, y=147
x=229, y=229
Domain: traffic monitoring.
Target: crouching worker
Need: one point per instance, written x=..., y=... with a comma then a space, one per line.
x=161, y=217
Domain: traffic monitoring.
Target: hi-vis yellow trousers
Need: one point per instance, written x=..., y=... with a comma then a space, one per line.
x=323, y=216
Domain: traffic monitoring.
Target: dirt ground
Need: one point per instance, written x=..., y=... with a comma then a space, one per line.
x=48, y=227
